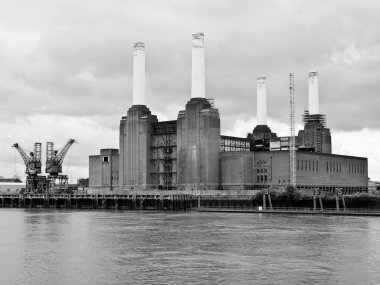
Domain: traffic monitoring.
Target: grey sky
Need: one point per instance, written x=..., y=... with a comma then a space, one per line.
x=66, y=68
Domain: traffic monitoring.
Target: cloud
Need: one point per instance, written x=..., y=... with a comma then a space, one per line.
x=73, y=60
x=90, y=137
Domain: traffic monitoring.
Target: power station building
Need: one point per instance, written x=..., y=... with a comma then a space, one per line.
x=190, y=152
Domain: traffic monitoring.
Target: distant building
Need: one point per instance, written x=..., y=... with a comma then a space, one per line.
x=373, y=186
x=11, y=185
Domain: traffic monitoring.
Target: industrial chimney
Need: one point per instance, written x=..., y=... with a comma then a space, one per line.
x=198, y=66
x=261, y=101
x=139, y=74
x=313, y=93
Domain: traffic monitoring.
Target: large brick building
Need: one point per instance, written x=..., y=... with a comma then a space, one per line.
x=190, y=152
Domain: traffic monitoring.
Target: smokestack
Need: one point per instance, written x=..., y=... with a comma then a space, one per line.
x=139, y=74
x=261, y=101
x=313, y=93
x=198, y=66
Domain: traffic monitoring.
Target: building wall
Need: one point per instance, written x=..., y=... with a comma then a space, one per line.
x=95, y=171
x=236, y=169
x=317, y=136
x=135, y=142
x=197, y=161
x=334, y=170
x=110, y=167
x=312, y=169
x=11, y=187
x=198, y=146
x=104, y=169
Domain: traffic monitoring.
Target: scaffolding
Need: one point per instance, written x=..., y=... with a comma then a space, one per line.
x=314, y=126
x=315, y=118
x=164, y=155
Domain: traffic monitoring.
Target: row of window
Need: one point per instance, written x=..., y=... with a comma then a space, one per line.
x=262, y=170
x=356, y=168
x=333, y=166
x=262, y=178
x=311, y=165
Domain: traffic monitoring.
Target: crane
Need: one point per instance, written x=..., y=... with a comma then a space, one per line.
x=33, y=160
x=54, y=158
x=34, y=182
x=292, y=152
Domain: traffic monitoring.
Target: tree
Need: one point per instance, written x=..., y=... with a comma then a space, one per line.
x=83, y=182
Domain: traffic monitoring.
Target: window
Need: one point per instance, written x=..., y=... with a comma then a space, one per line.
x=305, y=164
x=327, y=164
x=301, y=164
x=313, y=165
x=316, y=165
x=106, y=158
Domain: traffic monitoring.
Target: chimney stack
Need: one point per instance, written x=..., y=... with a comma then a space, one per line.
x=261, y=101
x=313, y=93
x=198, y=66
x=139, y=74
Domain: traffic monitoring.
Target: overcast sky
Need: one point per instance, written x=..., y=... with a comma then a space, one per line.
x=66, y=69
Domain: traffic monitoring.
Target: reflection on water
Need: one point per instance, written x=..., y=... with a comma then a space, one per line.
x=100, y=247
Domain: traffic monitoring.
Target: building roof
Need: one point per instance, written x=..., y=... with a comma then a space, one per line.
x=10, y=180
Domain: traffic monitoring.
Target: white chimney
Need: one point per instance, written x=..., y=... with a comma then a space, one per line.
x=198, y=67
x=313, y=93
x=139, y=97
x=261, y=101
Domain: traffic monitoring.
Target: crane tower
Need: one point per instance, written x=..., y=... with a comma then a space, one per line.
x=292, y=152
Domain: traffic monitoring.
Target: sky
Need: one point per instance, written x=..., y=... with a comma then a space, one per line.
x=66, y=69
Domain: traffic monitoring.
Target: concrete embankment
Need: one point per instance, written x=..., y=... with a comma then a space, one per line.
x=306, y=211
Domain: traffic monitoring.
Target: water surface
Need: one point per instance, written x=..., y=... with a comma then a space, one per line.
x=40, y=246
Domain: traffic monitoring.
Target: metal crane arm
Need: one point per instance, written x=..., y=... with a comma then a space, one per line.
x=61, y=155
x=23, y=154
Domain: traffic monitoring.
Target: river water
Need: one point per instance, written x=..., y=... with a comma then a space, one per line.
x=39, y=246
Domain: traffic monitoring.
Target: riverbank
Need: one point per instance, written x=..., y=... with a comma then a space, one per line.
x=292, y=202
x=298, y=211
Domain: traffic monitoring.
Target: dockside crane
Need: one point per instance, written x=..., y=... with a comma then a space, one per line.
x=54, y=160
x=31, y=161
x=34, y=182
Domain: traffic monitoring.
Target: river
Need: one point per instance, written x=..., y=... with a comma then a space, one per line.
x=39, y=246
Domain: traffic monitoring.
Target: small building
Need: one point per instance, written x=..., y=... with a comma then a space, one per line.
x=11, y=185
